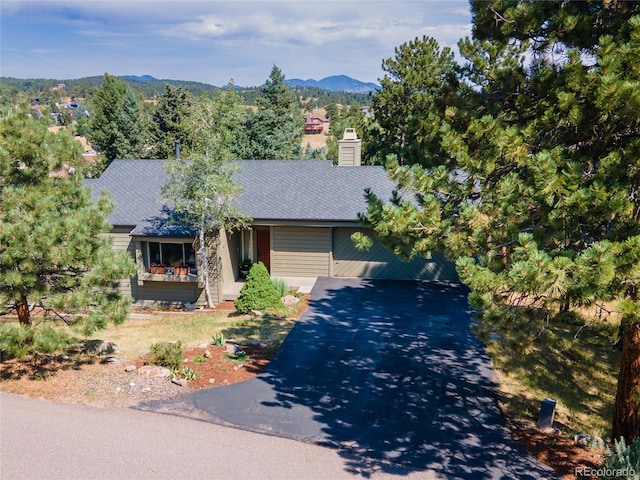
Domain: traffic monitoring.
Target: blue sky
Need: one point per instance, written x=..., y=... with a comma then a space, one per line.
x=215, y=41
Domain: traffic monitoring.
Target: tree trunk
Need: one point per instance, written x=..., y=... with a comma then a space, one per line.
x=626, y=414
x=22, y=307
x=205, y=268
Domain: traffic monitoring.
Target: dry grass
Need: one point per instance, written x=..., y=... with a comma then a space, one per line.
x=316, y=141
x=573, y=364
x=135, y=336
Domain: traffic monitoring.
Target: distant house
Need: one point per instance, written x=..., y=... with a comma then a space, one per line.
x=303, y=215
x=315, y=124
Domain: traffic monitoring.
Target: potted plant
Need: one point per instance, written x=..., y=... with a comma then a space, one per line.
x=181, y=269
x=245, y=266
x=158, y=268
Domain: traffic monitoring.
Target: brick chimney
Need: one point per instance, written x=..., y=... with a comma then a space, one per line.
x=349, y=149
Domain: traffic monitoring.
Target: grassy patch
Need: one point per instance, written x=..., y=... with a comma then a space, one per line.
x=135, y=336
x=573, y=363
x=269, y=329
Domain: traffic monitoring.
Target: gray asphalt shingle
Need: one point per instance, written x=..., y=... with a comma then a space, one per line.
x=278, y=190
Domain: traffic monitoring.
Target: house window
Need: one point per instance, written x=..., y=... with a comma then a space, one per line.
x=170, y=254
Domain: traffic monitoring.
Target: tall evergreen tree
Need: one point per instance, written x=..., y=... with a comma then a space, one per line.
x=420, y=83
x=275, y=131
x=170, y=122
x=53, y=251
x=532, y=178
x=116, y=126
x=132, y=129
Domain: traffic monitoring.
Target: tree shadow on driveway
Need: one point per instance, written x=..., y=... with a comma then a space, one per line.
x=386, y=372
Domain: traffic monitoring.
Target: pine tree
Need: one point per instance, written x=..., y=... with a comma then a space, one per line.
x=525, y=165
x=275, y=131
x=53, y=251
x=170, y=121
x=116, y=126
x=132, y=130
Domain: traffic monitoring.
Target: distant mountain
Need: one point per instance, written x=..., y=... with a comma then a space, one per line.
x=335, y=83
x=143, y=78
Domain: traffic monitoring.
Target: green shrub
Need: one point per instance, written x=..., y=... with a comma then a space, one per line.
x=187, y=373
x=258, y=292
x=219, y=339
x=19, y=341
x=167, y=354
x=281, y=286
x=623, y=462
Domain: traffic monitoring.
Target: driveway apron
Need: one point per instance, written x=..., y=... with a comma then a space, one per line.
x=387, y=372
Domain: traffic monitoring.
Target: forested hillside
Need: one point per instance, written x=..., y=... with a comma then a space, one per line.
x=151, y=88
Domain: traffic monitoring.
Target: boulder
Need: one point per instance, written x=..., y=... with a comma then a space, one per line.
x=100, y=347
x=290, y=300
x=179, y=381
x=111, y=359
x=231, y=348
x=154, y=371
x=130, y=368
x=592, y=441
x=207, y=354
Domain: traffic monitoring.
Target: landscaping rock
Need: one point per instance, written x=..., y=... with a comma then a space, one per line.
x=206, y=354
x=257, y=313
x=114, y=360
x=76, y=348
x=100, y=347
x=592, y=441
x=550, y=430
x=203, y=345
x=290, y=300
x=212, y=380
x=154, y=371
x=130, y=368
x=231, y=348
x=179, y=381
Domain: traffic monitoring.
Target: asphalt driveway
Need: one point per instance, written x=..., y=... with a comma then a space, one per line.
x=388, y=373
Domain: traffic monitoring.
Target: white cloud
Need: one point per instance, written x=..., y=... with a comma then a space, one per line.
x=242, y=39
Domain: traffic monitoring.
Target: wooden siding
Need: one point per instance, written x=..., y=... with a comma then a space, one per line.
x=169, y=294
x=122, y=241
x=380, y=262
x=152, y=293
x=300, y=251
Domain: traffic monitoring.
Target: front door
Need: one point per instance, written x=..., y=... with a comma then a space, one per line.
x=263, y=242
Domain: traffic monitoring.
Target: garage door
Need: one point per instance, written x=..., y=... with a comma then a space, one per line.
x=380, y=262
x=301, y=251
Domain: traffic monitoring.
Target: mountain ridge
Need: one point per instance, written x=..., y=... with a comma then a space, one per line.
x=335, y=83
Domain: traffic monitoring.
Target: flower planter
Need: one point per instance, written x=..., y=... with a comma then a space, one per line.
x=158, y=270
x=181, y=270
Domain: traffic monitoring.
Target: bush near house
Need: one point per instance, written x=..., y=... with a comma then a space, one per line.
x=258, y=292
x=167, y=354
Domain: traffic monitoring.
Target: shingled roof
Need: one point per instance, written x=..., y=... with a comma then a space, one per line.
x=273, y=190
